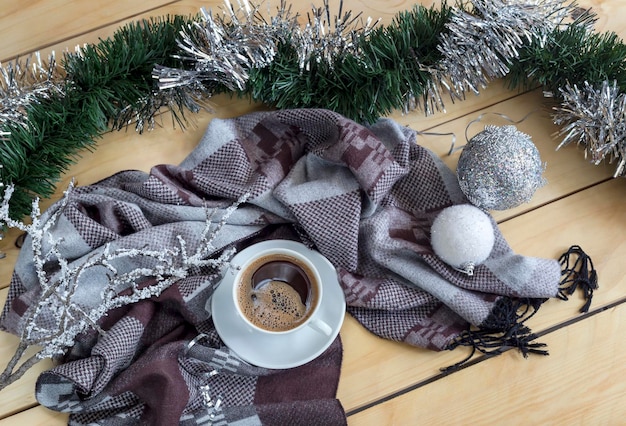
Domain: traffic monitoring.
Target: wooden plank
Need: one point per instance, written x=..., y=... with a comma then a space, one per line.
x=609, y=13
x=81, y=22
x=581, y=382
x=593, y=219
x=400, y=355
x=21, y=394
x=37, y=416
x=374, y=368
x=10, y=251
x=33, y=25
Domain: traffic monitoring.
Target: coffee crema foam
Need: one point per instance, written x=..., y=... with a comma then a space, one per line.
x=272, y=303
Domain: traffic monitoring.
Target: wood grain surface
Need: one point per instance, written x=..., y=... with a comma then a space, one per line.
x=582, y=381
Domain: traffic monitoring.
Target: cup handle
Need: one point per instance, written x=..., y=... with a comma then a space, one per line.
x=320, y=326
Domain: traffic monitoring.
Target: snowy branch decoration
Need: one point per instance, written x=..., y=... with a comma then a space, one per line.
x=53, y=322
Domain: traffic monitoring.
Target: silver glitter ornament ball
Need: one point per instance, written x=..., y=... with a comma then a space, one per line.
x=500, y=168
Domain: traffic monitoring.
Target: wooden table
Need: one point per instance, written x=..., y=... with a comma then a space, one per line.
x=583, y=381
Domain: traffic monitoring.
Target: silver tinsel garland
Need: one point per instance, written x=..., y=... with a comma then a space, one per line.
x=479, y=46
x=595, y=117
x=325, y=40
x=221, y=51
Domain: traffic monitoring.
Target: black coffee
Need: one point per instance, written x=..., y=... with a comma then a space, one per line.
x=276, y=292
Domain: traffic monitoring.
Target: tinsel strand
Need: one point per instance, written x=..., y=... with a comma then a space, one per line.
x=220, y=51
x=594, y=117
x=23, y=82
x=326, y=39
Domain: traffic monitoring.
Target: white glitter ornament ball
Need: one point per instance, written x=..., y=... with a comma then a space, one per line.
x=462, y=236
x=500, y=168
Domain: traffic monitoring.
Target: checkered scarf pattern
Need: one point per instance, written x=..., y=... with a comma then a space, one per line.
x=364, y=196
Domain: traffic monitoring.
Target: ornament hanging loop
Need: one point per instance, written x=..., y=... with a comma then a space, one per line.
x=478, y=119
x=451, y=134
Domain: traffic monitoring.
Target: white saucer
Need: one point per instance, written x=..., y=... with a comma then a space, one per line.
x=280, y=351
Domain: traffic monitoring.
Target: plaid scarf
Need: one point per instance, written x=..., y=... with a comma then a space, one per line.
x=365, y=197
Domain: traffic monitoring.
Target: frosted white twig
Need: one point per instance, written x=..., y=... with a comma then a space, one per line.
x=56, y=318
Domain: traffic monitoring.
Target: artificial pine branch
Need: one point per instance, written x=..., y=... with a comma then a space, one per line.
x=116, y=72
x=33, y=156
x=363, y=87
x=573, y=54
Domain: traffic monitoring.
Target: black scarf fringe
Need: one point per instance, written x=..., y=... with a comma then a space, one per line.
x=577, y=271
x=505, y=327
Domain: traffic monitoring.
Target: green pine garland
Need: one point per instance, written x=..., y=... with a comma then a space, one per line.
x=109, y=84
x=106, y=84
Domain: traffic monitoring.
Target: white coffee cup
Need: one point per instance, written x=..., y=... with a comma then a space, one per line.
x=278, y=291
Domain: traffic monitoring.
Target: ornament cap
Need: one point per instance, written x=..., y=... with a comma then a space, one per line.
x=467, y=268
